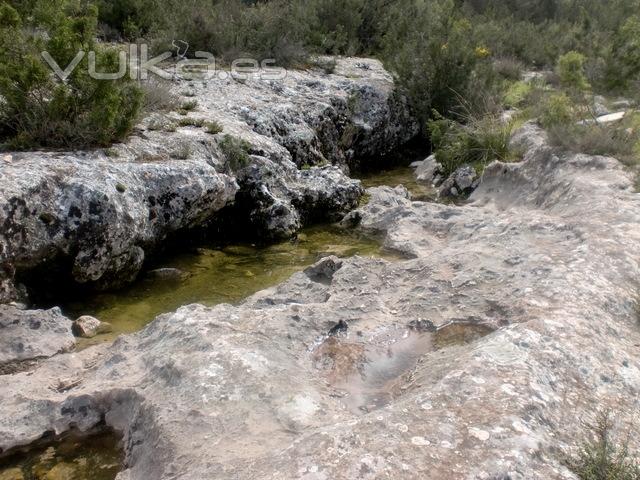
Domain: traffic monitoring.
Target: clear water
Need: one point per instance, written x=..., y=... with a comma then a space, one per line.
x=98, y=457
x=217, y=275
x=400, y=176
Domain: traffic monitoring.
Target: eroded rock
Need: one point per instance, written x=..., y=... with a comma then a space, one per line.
x=529, y=293
x=30, y=335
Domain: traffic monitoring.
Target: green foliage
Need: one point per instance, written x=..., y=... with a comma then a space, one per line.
x=428, y=46
x=517, y=93
x=556, y=109
x=620, y=140
x=599, y=458
x=213, y=127
x=571, y=71
x=236, y=152
x=623, y=63
x=478, y=142
x=40, y=110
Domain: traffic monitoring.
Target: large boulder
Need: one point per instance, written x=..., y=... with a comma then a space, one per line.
x=481, y=357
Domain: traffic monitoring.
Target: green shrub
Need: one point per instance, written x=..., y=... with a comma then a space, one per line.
x=599, y=458
x=571, y=71
x=236, y=152
x=556, y=109
x=38, y=109
x=623, y=62
x=428, y=46
x=189, y=106
x=478, y=142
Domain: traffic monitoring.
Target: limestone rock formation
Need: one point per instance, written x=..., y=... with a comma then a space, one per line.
x=95, y=216
x=514, y=320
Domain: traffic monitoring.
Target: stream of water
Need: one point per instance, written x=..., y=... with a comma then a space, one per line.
x=208, y=275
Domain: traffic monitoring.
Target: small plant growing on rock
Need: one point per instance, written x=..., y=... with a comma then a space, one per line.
x=189, y=106
x=213, y=127
x=236, y=152
x=182, y=152
x=599, y=458
x=191, y=122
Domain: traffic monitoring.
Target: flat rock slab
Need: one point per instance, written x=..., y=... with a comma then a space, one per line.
x=480, y=357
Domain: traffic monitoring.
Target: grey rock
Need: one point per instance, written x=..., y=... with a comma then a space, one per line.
x=464, y=177
x=100, y=213
x=527, y=286
x=32, y=335
x=87, y=326
x=599, y=106
x=169, y=274
x=427, y=170
x=459, y=182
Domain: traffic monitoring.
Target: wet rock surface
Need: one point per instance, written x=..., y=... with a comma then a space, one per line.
x=27, y=336
x=479, y=357
x=96, y=215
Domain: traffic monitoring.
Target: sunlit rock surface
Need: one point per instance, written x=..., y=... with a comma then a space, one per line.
x=479, y=357
x=96, y=215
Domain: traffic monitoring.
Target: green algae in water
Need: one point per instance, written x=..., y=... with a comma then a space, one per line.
x=218, y=275
x=71, y=457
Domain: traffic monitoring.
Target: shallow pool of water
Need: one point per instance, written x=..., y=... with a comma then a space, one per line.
x=217, y=275
x=400, y=176
x=98, y=457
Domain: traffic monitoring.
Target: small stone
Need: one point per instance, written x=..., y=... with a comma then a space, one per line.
x=121, y=187
x=172, y=274
x=88, y=327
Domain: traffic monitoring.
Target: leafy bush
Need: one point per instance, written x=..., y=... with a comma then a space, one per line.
x=571, y=71
x=600, y=459
x=517, y=94
x=40, y=110
x=429, y=49
x=623, y=63
x=556, y=109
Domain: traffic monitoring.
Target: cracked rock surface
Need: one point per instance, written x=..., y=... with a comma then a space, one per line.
x=512, y=319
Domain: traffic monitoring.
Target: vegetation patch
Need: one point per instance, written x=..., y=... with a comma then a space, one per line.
x=236, y=152
x=600, y=458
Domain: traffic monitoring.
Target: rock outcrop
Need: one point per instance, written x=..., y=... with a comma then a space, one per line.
x=514, y=320
x=94, y=216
